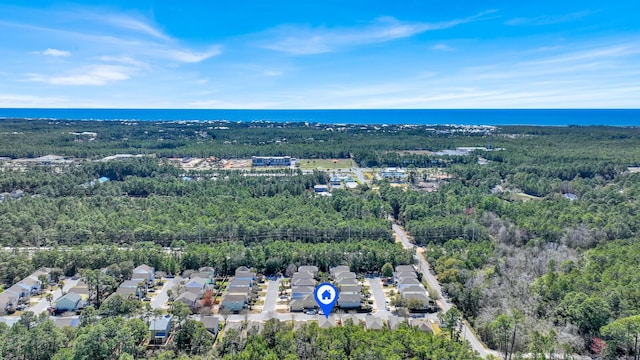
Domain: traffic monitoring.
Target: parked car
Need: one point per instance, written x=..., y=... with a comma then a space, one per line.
x=310, y=312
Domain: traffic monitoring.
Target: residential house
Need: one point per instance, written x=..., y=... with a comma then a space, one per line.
x=350, y=289
x=326, y=323
x=394, y=322
x=400, y=276
x=207, y=270
x=309, y=269
x=196, y=283
x=304, y=282
x=338, y=269
x=343, y=282
x=188, y=298
x=405, y=268
x=245, y=275
x=7, y=299
x=81, y=289
x=349, y=301
x=344, y=275
x=246, y=291
x=159, y=329
x=245, y=283
x=19, y=291
x=234, y=302
x=146, y=270
x=302, y=275
x=306, y=303
x=69, y=302
x=422, y=325
x=299, y=292
x=243, y=269
x=373, y=323
x=211, y=323
x=408, y=282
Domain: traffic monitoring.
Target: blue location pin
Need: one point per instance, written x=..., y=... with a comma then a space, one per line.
x=326, y=296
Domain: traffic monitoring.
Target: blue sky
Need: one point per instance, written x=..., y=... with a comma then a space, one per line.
x=320, y=54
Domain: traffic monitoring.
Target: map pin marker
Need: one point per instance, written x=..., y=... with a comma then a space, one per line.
x=326, y=296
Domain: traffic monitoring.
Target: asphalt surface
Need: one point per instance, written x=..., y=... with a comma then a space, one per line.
x=159, y=300
x=423, y=267
x=271, y=298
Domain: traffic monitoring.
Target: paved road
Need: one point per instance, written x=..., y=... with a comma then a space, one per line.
x=375, y=284
x=161, y=297
x=423, y=267
x=272, y=296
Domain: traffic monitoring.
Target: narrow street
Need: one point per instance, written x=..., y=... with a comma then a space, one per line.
x=423, y=267
x=272, y=296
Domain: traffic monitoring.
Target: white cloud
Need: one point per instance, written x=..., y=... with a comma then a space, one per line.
x=88, y=75
x=188, y=56
x=130, y=23
x=123, y=60
x=441, y=47
x=53, y=52
x=297, y=40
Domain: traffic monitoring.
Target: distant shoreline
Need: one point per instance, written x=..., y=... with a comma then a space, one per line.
x=490, y=117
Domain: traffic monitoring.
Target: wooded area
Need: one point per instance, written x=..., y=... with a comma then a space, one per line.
x=535, y=271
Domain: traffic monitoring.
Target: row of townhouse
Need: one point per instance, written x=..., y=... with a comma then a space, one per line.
x=239, y=290
x=23, y=289
x=303, y=283
x=349, y=288
x=410, y=288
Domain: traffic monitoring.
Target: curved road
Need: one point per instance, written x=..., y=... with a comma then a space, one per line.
x=423, y=267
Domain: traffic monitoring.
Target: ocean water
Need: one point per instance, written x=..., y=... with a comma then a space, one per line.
x=546, y=117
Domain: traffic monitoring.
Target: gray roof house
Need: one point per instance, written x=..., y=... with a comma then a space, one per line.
x=188, y=298
x=233, y=302
x=408, y=282
x=245, y=275
x=68, y=302
x=211, y=324
x=338, y=269
x=7, y=298
x=405, y=268
x=299, y=292
x=306, y=303
x=145, y=269
x=310, y=269
x=196, y=283
x=304, y=282
x=240, y=283
x=349, y=301
x=373, y=323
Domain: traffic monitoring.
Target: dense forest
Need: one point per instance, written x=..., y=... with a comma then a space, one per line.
x=118, y=338
x=537, y=244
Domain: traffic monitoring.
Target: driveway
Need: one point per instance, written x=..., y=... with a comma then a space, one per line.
x=161, y=297
x=375, y=284
x=271, y=298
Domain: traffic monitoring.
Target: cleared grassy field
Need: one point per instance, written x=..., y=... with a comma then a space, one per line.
x=327, y=164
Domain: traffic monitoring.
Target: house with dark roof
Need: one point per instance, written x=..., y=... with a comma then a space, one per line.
x=211, y=323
